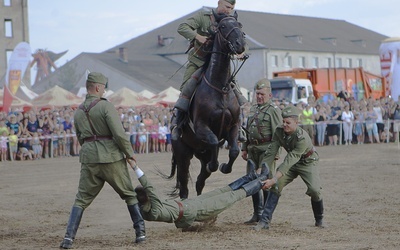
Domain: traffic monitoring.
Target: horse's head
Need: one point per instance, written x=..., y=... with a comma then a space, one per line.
x=229, y=32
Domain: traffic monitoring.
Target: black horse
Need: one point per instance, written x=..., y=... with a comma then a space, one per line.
x=214, y=111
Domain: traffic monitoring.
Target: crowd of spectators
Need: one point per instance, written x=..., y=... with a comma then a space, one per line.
x=346, y=121
x=44, y=133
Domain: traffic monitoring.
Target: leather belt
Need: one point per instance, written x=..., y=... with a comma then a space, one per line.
x=261, y=141
x=180, y=211
x=308, y=154
x=97, y=138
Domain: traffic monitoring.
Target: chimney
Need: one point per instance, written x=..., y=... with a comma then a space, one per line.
x=123, y=54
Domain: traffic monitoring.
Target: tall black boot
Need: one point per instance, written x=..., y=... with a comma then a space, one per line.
x=257, y=208
x=252, y=175
x=269, y=209
x=138, y=223
x=253, y=187
x=176, y=125
x=318, y=210
x=73, y=224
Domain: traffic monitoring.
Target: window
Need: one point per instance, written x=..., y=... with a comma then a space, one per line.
x=329, y=62
x=302, y=62
x=7, y=2
x=349, y=63
x=274, y=61
x=359, y=63
x=315, y=62
x=288, y=62
x=8, y=32
x=8, y=56
x=338, y=62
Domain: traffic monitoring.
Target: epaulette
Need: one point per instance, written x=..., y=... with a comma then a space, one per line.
x=300, y=135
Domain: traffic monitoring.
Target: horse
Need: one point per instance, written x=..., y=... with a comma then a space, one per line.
x=214, y=111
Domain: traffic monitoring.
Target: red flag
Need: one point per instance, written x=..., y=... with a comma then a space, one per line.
x=7, y=99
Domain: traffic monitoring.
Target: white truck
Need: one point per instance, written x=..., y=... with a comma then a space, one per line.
x=291, y=90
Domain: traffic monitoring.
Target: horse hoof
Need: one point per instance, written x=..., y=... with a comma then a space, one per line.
x=224, y=168
x=210, y=170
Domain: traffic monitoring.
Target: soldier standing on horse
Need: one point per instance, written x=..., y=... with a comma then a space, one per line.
x=203, y=208
x=264, y=118
x=301, y=160
x=104, y=149
x=198, y=29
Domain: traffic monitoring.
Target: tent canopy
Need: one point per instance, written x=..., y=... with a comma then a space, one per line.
x=167, y=96
x=16, y=103
x=127, y=98
x=57, y=97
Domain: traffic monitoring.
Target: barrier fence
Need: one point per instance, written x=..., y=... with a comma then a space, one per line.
x=392, y=126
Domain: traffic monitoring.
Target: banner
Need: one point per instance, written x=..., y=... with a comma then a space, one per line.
x=389, y=52
x=16, y=69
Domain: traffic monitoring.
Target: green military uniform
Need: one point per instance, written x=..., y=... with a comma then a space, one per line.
x=301, y=160
x=103, y=160
x=200, y=208
x=261, y=124
x=104, y=148
x=198, y=24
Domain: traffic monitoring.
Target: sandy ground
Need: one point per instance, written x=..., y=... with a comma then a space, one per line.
x=360, y=188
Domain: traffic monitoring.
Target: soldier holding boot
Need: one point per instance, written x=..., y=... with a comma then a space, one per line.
x=197, y=29
x=263, y=119
x=201, y=208
x=104, y=148
x=301, y=160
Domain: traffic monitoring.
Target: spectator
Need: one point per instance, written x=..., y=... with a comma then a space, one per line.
x=13, y=144
x=320, y=119
x=380, y=113
x=347, y=118
x=162, y=136
x=370, y=123
x=332, y=128
x=3, y=145
x=358, y=128
x=24, y=148
x=13, y=124
x=36, y=146
x=142, y=138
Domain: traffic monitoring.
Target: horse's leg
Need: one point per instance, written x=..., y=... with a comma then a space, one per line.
x=204, y=174
x=234, y=151
x=205, y=134
x=182, y=156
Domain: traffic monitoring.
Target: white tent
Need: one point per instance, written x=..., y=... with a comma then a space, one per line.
x=147, y=94
x=167, y=96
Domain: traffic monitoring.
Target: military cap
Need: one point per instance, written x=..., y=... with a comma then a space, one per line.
x=231, y=1
x=263, y=83
x=290, y=111
x=97, y=78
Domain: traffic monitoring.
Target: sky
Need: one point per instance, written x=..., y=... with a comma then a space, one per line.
x=95, y=26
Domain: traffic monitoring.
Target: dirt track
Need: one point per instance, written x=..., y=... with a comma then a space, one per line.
x=360, y=188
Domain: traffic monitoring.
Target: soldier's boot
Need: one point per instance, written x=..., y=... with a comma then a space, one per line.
x=138, y=223
x=176, y=124
x=266, y=217
x=257, y=208
x=318, y=210
x=258, y=198
x=253, y=187
x=183, y=103
x=240, y=97
x=252, y=175
x=72, y=227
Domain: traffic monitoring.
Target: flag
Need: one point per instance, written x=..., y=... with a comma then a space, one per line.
x=17, y=65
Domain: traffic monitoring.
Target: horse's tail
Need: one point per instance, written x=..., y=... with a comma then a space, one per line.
x=173, y=170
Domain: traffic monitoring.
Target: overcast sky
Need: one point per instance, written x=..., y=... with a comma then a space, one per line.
x=96, y=25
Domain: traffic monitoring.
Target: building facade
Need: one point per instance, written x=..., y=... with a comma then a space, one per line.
x=13, y=30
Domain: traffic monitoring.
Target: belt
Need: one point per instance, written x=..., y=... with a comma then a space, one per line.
x=98, y=138
x=260, y=141
x=180, y=211
x=306, y=155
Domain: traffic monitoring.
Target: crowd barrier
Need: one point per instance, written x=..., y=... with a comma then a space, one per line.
x=391, y=125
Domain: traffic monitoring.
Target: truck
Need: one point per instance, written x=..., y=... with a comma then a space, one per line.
x=298, y=85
